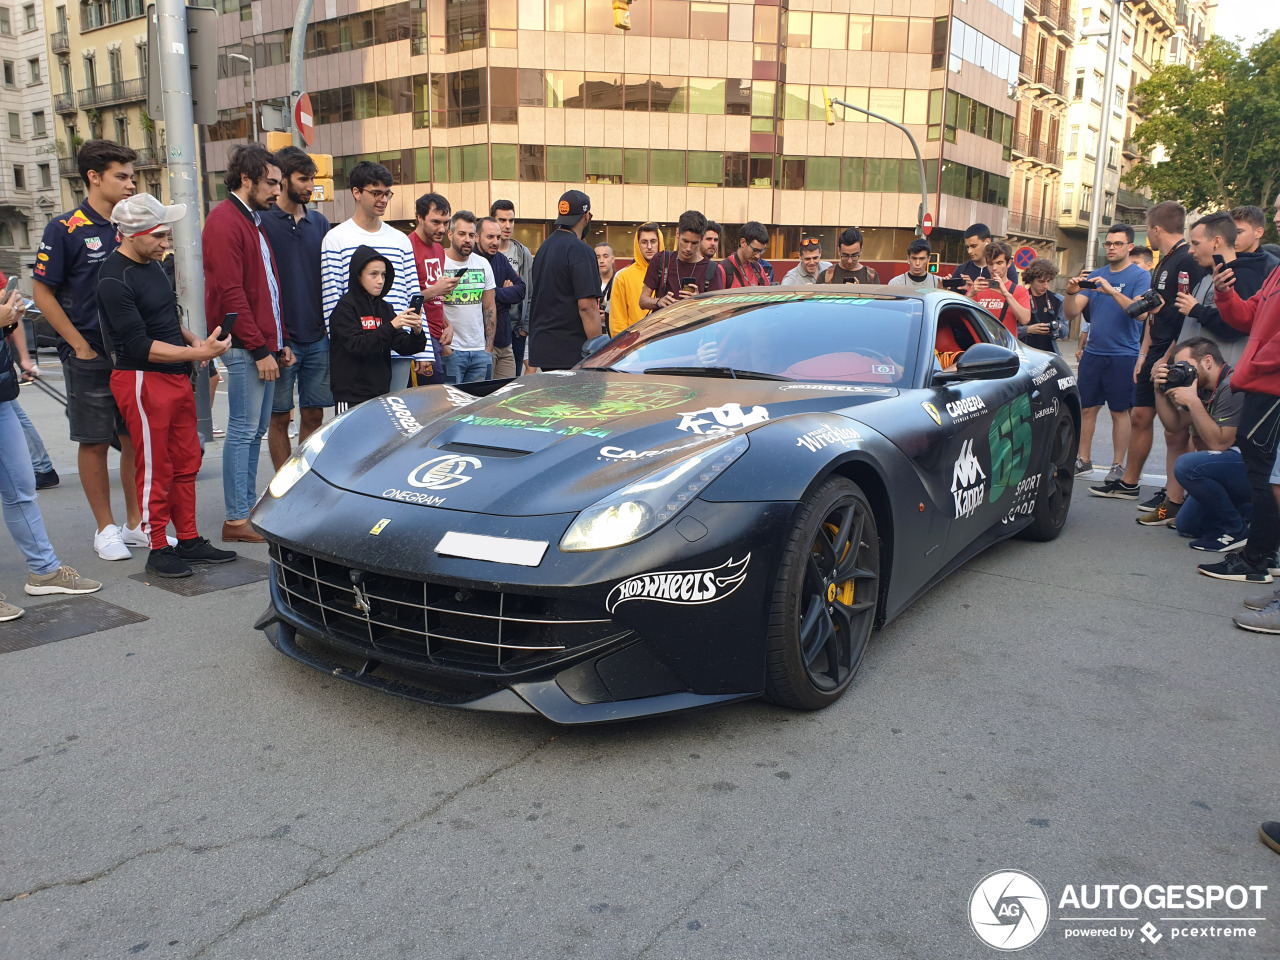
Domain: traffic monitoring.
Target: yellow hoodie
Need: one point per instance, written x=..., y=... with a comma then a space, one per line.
x=624, y=305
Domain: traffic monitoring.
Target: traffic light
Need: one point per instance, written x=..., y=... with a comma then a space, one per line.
x=322, y=187
x=933, y=263
x=622, y=14
x=278, y=140
x=826, y=103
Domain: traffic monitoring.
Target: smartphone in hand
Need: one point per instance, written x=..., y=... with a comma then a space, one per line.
x=415, y=303
x=1219, y=260
x=957, y=282
x=1088, y=284
x=460, y=273
x=228, y=322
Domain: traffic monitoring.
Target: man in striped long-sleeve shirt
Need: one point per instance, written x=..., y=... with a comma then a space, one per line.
x=371, y=187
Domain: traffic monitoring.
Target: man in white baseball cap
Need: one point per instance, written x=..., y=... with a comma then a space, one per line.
x=152, y=354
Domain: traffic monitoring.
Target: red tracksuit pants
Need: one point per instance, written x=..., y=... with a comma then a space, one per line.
x=160, y=411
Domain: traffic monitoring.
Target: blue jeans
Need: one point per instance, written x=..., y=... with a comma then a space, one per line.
x=40, y=461
x=468, y=366
x=18, y=493
x=1218, y=493
x=249, y=398
x=401, y=368
x=310, y=371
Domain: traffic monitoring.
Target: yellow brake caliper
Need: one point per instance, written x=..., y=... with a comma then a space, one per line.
x=840, y=591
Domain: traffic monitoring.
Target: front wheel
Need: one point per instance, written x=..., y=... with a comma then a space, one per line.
x=1054, y=501
x=825, y=598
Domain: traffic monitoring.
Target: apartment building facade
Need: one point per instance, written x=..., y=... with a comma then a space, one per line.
x=28, y=160
x=1152, y=32
x=716, y=106
x=98, y=52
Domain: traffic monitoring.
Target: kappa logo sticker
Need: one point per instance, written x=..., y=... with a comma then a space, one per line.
x=683, y=587
x=932, y=411
x=968, y=481
x=459, y=398
x=443, y=473
x=717, y=421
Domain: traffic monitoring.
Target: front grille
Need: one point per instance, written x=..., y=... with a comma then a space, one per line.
x=422, y=623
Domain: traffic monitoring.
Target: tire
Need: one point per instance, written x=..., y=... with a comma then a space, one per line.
x=1054, y=500
x=824, y=599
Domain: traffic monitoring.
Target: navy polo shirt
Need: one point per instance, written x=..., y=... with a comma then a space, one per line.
x=296, y=245
x=72, y=249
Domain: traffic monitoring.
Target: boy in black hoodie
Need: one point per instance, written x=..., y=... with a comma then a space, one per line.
x=363, y=331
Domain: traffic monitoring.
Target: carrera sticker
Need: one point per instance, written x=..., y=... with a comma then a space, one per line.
x=816, y=440
x=968, y=481
x=547, y=406
x=405, y=421
x=1046, y=374
x=684, y=587
x=1066, y=382
x=1024, y=499
x=370, y=323
x=443, y=473
x=717, y=421
x=618, y=453
x=379, y=526
x=932, y=411
x=409, y=496
x=1050, y=411
x=966, y=409
x=1010, y=441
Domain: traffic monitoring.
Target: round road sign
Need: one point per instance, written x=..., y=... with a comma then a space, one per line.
x=927, y=226
x=1023, y=257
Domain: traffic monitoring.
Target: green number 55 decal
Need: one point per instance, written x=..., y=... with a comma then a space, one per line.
x=1010, y=441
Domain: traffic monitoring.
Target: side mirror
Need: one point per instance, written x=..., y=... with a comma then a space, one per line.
x=982, y=361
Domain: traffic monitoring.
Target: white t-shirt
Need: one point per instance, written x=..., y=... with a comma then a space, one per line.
x=928, y=282
x=464, y=307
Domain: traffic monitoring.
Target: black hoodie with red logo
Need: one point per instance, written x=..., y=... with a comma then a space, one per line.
x=361, y=336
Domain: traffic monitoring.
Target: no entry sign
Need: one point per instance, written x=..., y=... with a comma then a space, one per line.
x=927, y=224
x=302, y=116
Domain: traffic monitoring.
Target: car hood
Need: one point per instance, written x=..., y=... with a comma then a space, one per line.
x=549, y=443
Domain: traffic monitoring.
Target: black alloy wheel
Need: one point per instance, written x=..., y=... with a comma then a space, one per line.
x=825, y=598
x=1054, y=500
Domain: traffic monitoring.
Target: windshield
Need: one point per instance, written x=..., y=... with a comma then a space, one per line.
x=829, y=337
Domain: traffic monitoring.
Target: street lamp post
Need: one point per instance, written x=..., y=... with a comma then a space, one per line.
x=253, y=94
x=1104, y=131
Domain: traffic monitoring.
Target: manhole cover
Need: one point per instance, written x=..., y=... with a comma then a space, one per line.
x=62, y=620
x=210, y=577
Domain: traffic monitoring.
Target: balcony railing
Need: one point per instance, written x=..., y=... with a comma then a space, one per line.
x=59, y=42
x=64, y=103
x=122, y=91
x=149, y=157
x=67, y=167
x=1037, y=149
x=1057, y=14
x=1025, y=224
x=1042, y=75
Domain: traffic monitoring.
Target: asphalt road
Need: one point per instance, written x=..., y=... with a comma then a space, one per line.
x=1083, y=711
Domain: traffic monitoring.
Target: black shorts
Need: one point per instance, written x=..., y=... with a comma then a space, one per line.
x=1144, y=394
x=91, y=408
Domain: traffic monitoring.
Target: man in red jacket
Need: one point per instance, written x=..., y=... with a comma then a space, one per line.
x=240, y=278
x=1257, y=375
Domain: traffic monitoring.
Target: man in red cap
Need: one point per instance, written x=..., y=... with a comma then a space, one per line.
x=152, y=354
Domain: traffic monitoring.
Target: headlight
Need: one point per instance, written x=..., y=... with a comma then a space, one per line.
x=297, y=466
x=642, y=507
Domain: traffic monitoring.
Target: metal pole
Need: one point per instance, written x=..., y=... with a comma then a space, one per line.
x=924, y=189
x=253, y=95
x=184, y=186
x=297, y=50
x=1104, y=138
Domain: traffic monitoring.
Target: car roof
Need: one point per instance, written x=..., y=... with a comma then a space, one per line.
x=879, y=290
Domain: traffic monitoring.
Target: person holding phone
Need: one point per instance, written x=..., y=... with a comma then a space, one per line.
x=1213, y=244
x=471, y=306
x=681, y=273
x=152, y=354
x=1003, y=296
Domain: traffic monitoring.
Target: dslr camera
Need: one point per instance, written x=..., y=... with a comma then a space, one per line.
x=1144, y=304
x=1180, y=374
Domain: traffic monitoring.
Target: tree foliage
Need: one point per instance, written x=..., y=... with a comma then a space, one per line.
x=1210, y=138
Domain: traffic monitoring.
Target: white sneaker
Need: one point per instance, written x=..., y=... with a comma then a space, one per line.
x=110, y=544
x=134, y=537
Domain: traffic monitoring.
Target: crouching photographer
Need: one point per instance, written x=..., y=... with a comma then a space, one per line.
x=1194, y=392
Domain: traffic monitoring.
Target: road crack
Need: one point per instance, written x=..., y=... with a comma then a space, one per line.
x=323, y=874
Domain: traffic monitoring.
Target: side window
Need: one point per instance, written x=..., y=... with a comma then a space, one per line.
x=995, y=330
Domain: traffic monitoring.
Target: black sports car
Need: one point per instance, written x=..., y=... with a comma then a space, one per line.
x=719, y=504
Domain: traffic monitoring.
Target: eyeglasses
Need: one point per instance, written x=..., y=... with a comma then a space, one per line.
x=758, y=251
x=1115, y=243
x=380, y=194
x=851, y=256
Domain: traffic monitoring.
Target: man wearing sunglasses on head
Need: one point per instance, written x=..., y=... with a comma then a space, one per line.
x=811, y=264
x=850, y=269
x=744, y=267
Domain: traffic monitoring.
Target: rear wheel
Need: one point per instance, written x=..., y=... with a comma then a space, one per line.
x=825, y=598
x=1054, y=501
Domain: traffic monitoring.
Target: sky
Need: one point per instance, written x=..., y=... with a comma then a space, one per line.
x=1247, y=18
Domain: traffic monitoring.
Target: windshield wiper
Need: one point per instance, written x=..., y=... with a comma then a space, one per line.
x=730, y=372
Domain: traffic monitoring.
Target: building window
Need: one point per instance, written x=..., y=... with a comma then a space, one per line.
x=19, y=177
x=33, y=70
x=5, y=27
x=15, y=126
x=122, y=129
x=1068, y=199
x=504, y=158
x=533, y=164
x=1086, y=202
x=635, y=166
x=1073, y=141
x=60, y=14
x=10, y=74
x=46, y=175
x=38, y=125
x=29, y=16
x=604, y=165
x=1091, y=144
x=666, y=168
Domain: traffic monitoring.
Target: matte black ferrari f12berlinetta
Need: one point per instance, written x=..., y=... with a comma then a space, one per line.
x=721, y=503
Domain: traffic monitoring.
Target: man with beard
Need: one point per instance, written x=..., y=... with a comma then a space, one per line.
x=295, y=234
x=508, y=295
x=240, y=278
x=432, y=212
